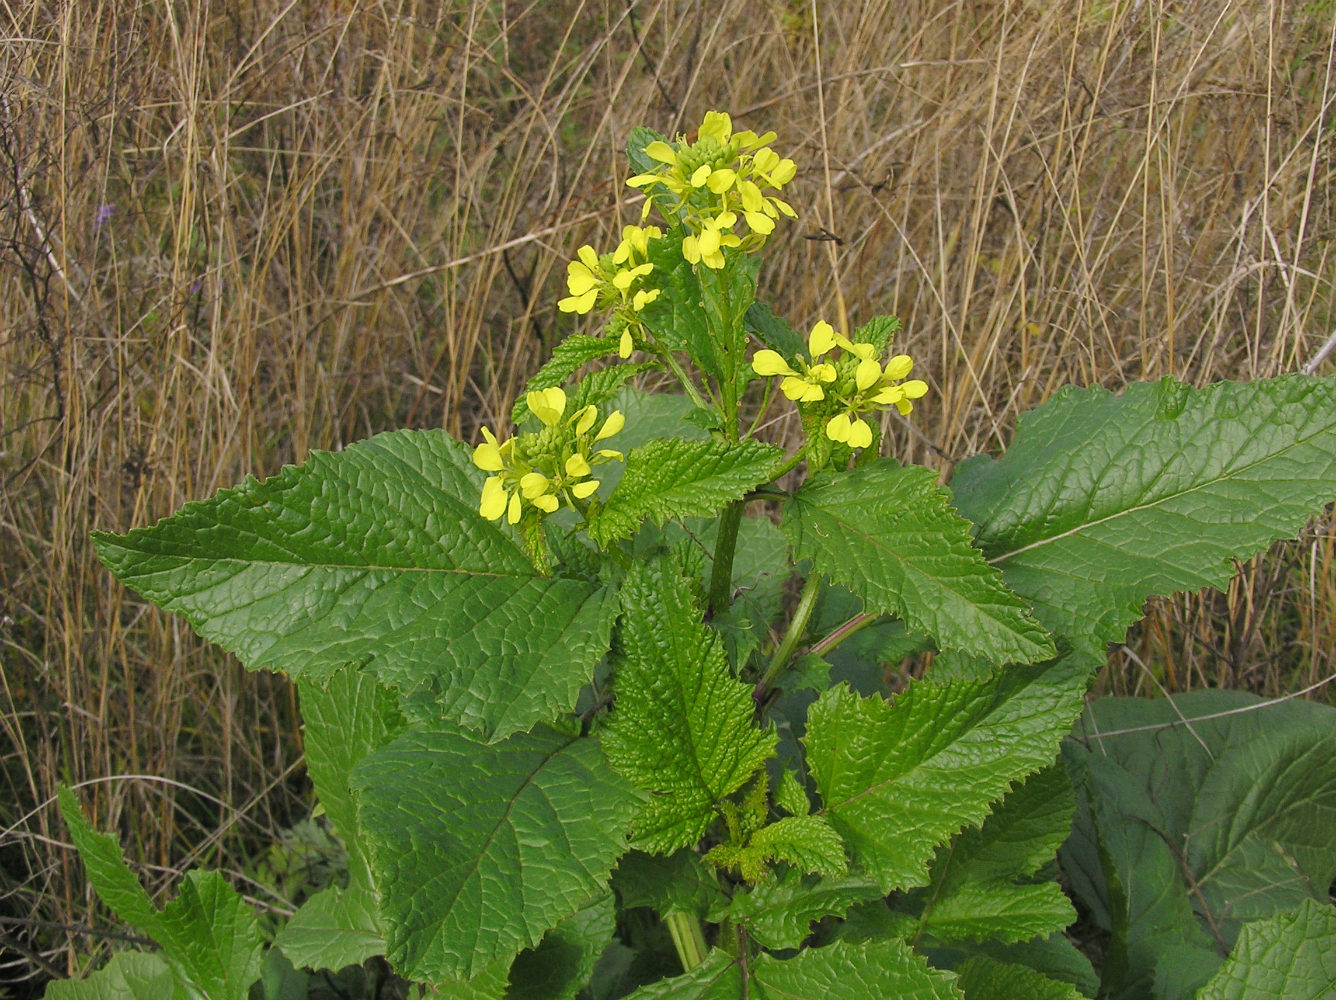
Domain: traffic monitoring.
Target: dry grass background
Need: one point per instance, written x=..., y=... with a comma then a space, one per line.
x=234, y=232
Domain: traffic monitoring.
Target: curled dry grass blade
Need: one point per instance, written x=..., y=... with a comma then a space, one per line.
x=232, y=233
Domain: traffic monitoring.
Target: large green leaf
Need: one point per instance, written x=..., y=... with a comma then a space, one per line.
x=988, y=979
x=683, y=726
x=888, y=533
x=334, y=928
x=780, y=913
x=899, y=779
x=480, y=849
x=675, y=478
x=1286, y=957
x=564, y=959
x=871, y=971
x=1103, y=500
x=981, y=886
x=376, y=556
x=1197, y=813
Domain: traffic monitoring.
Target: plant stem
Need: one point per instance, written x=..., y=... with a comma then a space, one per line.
x=843, y=632
x=688, y=938
x=797, y=626
x=689, y=386
x=726, y=543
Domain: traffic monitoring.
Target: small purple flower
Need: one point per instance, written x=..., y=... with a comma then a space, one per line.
x=104, y=213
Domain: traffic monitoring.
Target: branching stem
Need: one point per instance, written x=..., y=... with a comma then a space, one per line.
x=802, y=614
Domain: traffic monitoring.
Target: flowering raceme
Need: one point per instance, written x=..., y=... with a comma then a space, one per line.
x=713, y=183
x=851, y=385
x=614, y=282
x=542, y=469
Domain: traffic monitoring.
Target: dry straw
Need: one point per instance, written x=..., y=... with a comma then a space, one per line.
x=231, y=233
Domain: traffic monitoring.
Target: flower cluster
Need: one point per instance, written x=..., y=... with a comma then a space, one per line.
x=544, y=468
x=614, y=282
x=712, y=183
x=849, y=386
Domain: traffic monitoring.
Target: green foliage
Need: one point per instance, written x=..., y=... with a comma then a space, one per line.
x=636, y=729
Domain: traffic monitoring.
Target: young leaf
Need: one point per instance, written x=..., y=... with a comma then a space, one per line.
x=334, y=928
x=871, y=971
x=130, y=975
x=887, y=532
x=481, y=849
x=773, y=332
x=980, y=888
x=1103, y=500
x=780, y=914
x=107, y=871
x=1288, y=955
x=213, y=934
x=808, y=843
x=935, y=760
x=675, y=478
x=376, y=555
x=988, y=979
x=683, y=727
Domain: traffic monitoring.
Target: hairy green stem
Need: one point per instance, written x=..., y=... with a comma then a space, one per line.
x=689, y=386
x=688, y=938
x=843, y=632
x=802, y=614
x=726, y=543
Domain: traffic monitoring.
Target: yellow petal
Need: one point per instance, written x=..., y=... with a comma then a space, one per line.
x=899, y=366
x=821, y=339
x=533, y=484
x=584, y=420
x=865, y=351
x=700, y=175
x=582, y=490
x=580, y=304
x=547, y=404
x=771, y=363
x=891, y=394
x=513, y=509
x=661, y=151
x=783, y=172
x=717, y=125
x=867, y=375
x=691, y=249
x=905, y=407
x=615, y=422
x=607, y=454
x=760, y=223
x=837, y=428
x=914, y=388
x=579, y=278
x=860, y=434
x=546, y=503
x=822, y=373
x=577, y=466
x=720, y=181
x=487, y=456
x=750, y=195
x=493, y=503
x=588, y=257
x=625, y=345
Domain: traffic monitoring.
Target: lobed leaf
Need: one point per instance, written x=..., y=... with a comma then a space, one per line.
x=376, y=556
x=129, y=975
x=1103, y=500
x=887, y=532
x=333, y=929
x=935, y=760
x=683, y=727
x=480, y=849
x=1287, y=955
x=780, y=914
x=672, y=478
x=985, y=978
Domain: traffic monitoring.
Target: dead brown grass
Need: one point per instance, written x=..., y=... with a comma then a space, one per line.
x=233, y=232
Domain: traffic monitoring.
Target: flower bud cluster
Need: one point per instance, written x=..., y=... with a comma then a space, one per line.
x=614, y=282
x=845, y=387
x=716, y=182
x=542, y=469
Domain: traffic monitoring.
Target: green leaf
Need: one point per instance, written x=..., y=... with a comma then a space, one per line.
x=683, y=727
x=209, y=934
x=107, y=871
x=935, y=760
x=780, y=914
x=568, y=357
x=987, y=979
x=564, y=960
x=675, y=478
x=636, y=142
x=773, y=332
x=716, y=978
x=871, y=971
x=344, y=717
x=980, y=887
x=1212, y=803
x=677, y=318
x=809, y=843
x=887, y=532
x=377, y=556
x=481, y=849
x=1103, y=500
x=334, y=928
x=214, y=935
x=676, y=883
x=1285, y=956
x=130, y=975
